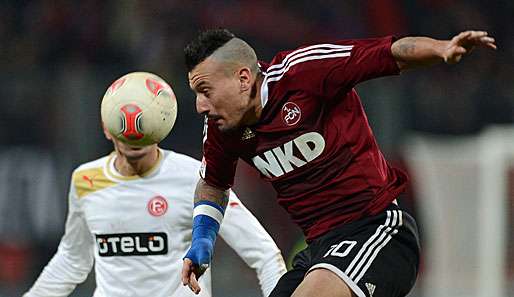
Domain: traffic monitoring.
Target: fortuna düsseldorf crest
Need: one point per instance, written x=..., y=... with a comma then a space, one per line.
x=157, y=206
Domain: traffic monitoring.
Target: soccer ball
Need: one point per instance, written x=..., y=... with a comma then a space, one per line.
x=139, y=109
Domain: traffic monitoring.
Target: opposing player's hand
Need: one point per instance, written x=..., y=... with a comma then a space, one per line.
x=196, y=262
x=464, y=43
x=191, y=273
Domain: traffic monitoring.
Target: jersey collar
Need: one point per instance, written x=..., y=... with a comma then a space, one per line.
x=114, y=173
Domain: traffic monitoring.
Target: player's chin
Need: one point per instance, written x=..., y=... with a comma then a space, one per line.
x=226, y=126
x=135, y=153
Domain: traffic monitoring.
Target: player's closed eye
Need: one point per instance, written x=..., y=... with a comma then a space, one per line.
x=205, y=92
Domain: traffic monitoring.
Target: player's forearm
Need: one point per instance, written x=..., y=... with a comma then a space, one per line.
x=60, y=277
x=411, y=52
x=208, y=212
x=206, y=192
x=73, y=261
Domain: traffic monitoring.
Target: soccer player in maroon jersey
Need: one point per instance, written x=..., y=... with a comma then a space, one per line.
x=299, y=121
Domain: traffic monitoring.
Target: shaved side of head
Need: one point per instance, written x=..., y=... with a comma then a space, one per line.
x=236, y=53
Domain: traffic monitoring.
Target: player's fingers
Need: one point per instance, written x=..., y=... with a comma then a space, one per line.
x=456, y=50
x=460, y=38
x=194, y=285
x=478, y=34
x=491, y=45
x=483, y=41
x=459, y=50
x=480, y=39
x=187, y=268
x=469, y=36
x=487, y=41
x=463, y=35
x=454, y=54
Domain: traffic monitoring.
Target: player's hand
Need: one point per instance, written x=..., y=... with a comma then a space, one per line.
x=464, y=43
x=196, y=262
x=191, y=273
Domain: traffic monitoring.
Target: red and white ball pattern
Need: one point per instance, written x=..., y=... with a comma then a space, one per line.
x=139, y=109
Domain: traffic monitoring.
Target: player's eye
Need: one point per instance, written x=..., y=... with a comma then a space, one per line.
x=205, y=92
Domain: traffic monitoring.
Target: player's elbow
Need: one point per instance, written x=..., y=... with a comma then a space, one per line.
x=207, y=192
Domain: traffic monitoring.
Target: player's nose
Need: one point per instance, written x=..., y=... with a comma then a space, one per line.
x=202, y=106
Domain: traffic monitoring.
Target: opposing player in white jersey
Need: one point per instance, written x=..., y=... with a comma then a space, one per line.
x=130, y=216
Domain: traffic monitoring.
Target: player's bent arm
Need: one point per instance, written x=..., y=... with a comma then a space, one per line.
x=72, y=262
x=208, y=212
x=411, y=52
x=243, y=232
x=206, y=192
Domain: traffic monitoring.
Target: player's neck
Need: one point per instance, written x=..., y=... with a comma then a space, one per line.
x=255, y=112
x=141, y=166
x=258, y=101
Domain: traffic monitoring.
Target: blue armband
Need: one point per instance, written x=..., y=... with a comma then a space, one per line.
x=207, y=217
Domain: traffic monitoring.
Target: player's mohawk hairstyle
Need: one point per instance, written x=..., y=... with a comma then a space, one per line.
x=207, y=42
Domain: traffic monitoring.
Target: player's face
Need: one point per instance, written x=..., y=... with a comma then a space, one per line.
x=130, y=152
x=219, y=94
x=133, y=153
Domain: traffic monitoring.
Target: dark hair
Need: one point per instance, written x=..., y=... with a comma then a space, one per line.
x=204, y=45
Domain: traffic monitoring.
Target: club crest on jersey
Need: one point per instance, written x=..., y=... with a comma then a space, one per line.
x=157, y=206
x=291, y=113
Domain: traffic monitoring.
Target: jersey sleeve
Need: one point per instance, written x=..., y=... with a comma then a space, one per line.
x=218, y=163
x=243, y=233
x=329, y=68
x=74, y=258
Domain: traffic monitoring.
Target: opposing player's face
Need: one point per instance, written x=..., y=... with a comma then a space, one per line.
x=133, y=153
x=219, y=95
x=130, y=152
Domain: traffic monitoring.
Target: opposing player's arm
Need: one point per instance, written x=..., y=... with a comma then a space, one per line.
x=243, y=233
x=209, y=209
x=206, y=192
x=411, y=52
x=73, y=260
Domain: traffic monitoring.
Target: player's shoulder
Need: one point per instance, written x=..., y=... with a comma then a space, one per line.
x=97, y=163
x=179, y=161
x=285, y=67
x=90, y=177
x=313, y=51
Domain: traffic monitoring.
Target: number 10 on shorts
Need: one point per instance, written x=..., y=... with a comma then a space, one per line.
x=342, y=249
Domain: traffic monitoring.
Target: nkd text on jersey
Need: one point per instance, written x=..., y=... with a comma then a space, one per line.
x=310, y=145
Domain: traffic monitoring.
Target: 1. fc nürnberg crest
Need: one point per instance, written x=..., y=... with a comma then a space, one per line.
x=291, y=113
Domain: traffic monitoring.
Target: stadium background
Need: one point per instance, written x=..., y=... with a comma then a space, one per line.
x=57, y=57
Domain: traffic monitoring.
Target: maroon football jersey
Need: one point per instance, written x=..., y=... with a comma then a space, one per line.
x=313, y=141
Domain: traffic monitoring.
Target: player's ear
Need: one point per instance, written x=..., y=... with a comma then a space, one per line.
x=106, y=133
x=245, y=79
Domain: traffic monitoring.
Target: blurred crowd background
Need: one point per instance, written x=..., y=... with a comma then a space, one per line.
x=57, y=58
